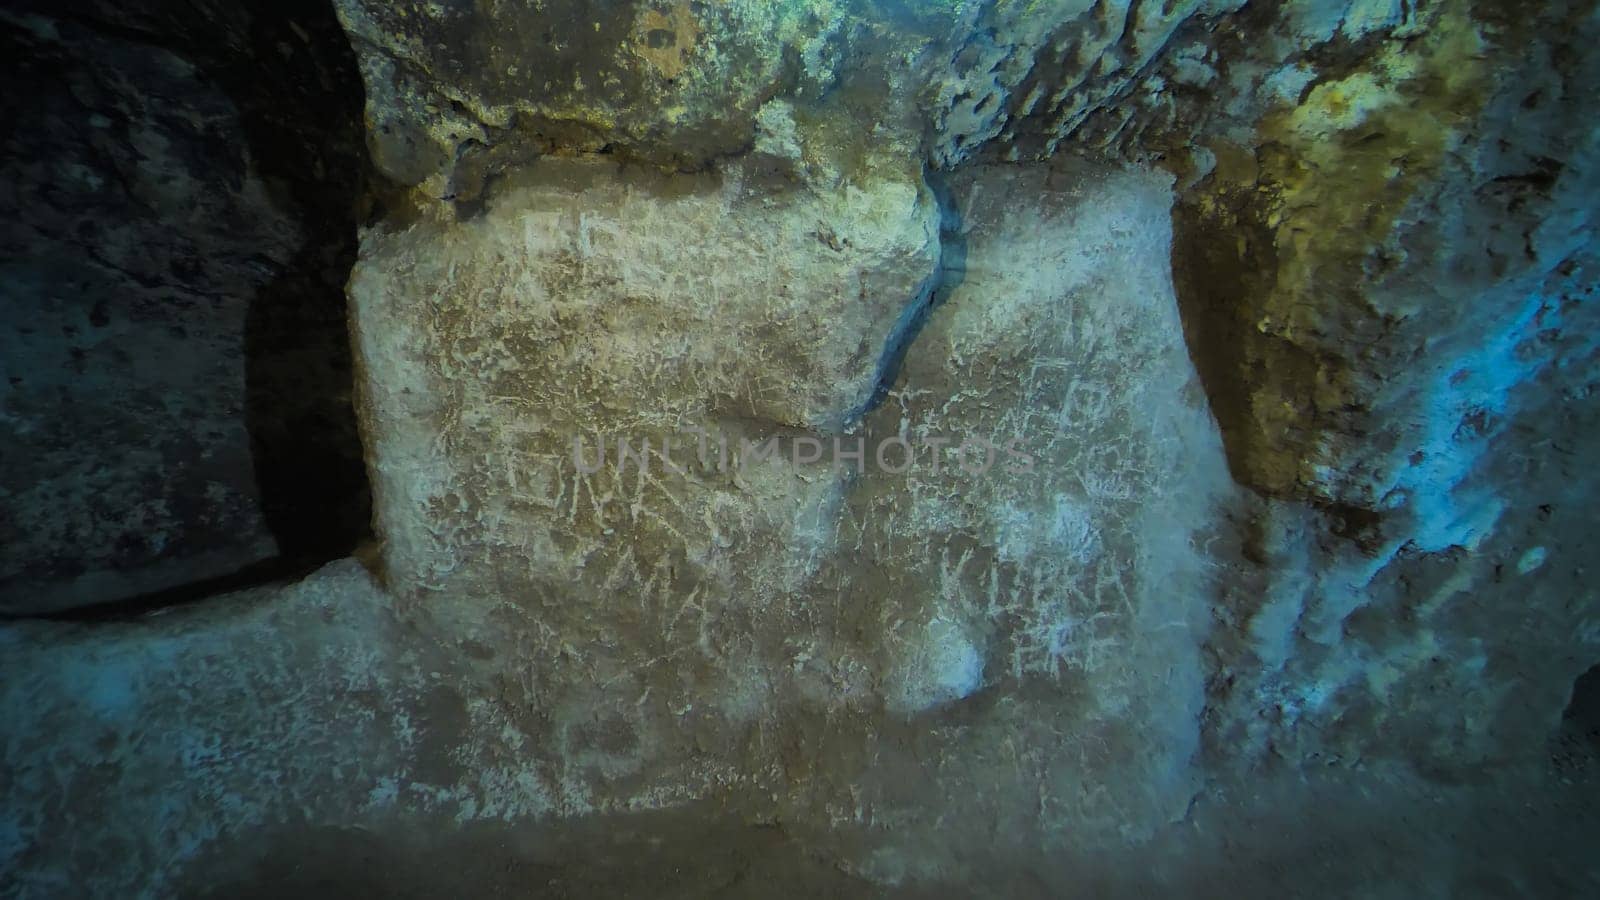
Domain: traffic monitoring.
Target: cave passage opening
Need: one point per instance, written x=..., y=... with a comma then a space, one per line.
x=184, y=185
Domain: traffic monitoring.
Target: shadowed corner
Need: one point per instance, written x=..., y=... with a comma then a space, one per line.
x=305, y=446
x=263, y=120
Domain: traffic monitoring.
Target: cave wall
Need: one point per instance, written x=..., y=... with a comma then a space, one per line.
x=1381, y=217
x=1289, y=308
x=182, y=186
x=1047, y=547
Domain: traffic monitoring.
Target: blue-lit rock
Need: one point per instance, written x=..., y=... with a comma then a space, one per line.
x=1245, y=356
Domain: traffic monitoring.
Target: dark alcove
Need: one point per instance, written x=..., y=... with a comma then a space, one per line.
x=182, y=184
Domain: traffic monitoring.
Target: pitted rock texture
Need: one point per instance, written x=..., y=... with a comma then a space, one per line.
x=309, y=740
x=1361, y=153
x=954, y=444
x=867, y=687
x=248, y=711
x=1399, y=231
x=1038, y=574
x=1381, y=219
x=819, y=643
x=458, y=93
x=176, y=368
x=489, y=347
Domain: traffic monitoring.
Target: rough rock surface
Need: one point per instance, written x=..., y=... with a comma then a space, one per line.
x=1373, y=285
x=733, y=605
x=307, y=741
x=176, y=370
x=453, y=99
x=1222, y=377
